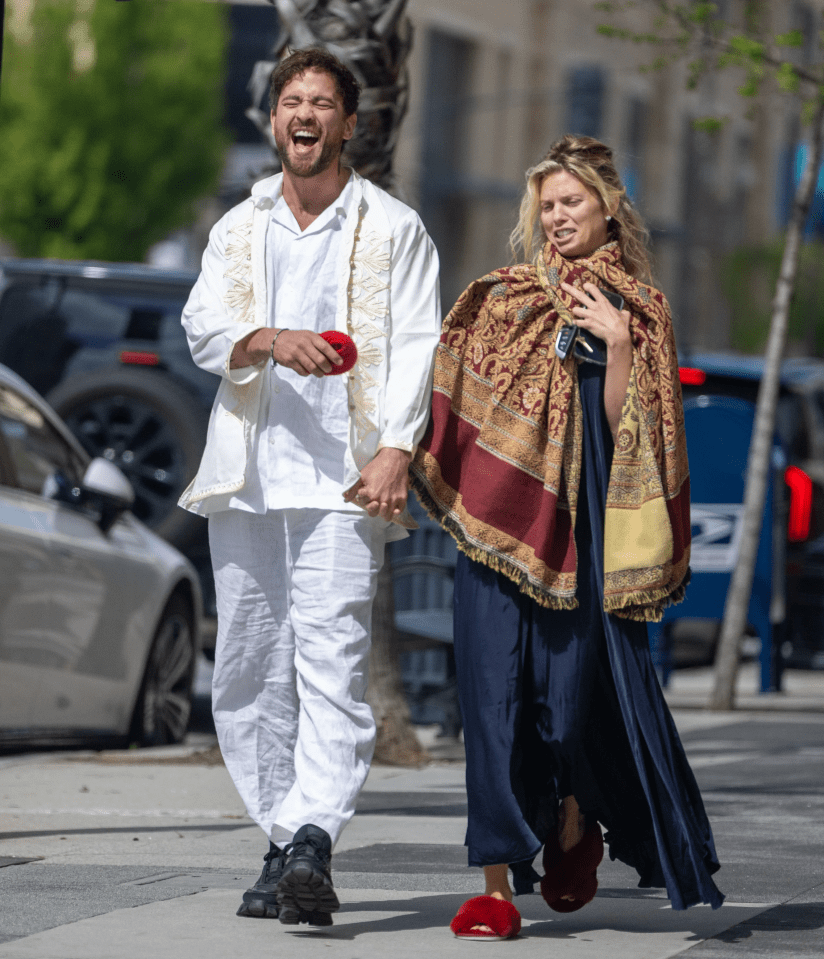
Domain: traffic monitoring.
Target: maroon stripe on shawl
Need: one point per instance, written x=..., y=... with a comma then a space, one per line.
x=679, y=515
x=496, y=493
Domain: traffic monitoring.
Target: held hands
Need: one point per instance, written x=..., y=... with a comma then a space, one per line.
x=596, y=314
x=303, y=351
x=383, y=485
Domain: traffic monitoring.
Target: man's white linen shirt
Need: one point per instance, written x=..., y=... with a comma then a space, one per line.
x=387, y=283
x=297, y=458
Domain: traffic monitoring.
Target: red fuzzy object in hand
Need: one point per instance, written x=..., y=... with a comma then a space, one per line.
x=345, y=347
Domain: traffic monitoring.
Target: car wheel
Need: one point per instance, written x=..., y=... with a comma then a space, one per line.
x=164, y=703
x=150, y=427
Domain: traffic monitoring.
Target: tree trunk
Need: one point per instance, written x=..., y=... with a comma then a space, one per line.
x=758, y=466
x=397, y=743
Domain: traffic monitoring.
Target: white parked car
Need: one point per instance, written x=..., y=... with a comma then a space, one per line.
x=99, y=617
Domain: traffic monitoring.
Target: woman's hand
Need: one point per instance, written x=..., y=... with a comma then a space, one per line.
x=597, y=315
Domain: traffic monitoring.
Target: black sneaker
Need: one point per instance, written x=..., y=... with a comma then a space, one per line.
x=260, y=902
x=305, y=892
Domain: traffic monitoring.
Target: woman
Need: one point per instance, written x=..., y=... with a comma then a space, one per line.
x=565, y=484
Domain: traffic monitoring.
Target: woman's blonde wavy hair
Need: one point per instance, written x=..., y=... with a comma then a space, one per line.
x=589, y=161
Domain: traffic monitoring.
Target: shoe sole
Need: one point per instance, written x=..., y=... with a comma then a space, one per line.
x=304, y=888
x=258, y=909
x=293, y=917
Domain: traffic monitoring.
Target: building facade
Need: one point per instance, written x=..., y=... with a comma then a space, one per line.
x=493, y=85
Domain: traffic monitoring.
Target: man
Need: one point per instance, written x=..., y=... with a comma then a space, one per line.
x=303, y=472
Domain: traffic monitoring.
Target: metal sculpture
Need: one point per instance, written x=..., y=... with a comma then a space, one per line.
x=373, y=38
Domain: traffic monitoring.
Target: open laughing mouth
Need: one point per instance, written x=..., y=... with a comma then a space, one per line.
x=304, y=140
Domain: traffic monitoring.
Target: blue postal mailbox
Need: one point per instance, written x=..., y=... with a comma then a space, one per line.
x=719, y=429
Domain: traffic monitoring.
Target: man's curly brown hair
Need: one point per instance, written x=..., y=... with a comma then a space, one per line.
x=316, y=58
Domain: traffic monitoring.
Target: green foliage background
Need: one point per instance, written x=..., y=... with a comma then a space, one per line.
x=111, y=119
x=748, y=279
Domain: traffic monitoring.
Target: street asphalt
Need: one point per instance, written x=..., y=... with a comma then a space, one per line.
x=126, y=855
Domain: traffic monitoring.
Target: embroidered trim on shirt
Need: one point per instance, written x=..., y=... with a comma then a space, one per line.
x=241, y=294
x=367, y=300
x=240, y=297
x=239, y=398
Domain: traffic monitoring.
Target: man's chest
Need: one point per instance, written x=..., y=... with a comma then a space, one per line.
x=303, y=277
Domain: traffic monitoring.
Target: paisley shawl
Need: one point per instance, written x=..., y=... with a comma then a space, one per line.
x=500, y=464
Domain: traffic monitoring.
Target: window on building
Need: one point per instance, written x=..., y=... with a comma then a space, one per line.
x=254, y=30
x=804, y=19
x=634, y=146
x=449, y=71
x=743, y=180
x=793, y=161
x=447, y=105
x=585, y=101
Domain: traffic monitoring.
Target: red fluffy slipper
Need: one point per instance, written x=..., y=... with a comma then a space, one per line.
x=572, y=873
x=501, y=916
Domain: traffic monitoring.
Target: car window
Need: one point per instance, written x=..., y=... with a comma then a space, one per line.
x=89, y=317
x=33, y=449
x=42, y=327
x=791, y=426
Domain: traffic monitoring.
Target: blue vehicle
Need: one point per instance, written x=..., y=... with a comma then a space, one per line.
x=792, y=572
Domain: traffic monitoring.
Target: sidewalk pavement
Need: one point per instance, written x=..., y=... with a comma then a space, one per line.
x=141, y=854
x=802, y=690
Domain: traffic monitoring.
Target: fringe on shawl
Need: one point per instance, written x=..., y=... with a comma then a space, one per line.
x=647, y=605
x=642, y=606
x=497, y=561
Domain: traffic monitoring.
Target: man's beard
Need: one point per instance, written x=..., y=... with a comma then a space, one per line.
x=305, y=168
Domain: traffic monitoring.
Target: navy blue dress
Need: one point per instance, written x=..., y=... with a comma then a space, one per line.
x=566, y=702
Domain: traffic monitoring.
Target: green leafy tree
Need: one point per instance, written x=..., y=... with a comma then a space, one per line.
x=748, y=277
x=112, y=123
x=695, y=31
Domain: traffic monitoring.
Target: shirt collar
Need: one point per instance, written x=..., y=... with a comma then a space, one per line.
x=333, y=215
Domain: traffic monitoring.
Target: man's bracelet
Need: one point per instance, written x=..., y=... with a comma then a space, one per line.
x=272, y=348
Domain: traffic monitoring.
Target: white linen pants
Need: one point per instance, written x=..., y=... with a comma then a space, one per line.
x=294, y=605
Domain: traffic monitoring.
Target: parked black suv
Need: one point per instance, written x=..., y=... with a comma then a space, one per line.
x=103, y=343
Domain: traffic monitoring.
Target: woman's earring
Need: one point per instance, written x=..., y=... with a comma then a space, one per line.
x=608, y=218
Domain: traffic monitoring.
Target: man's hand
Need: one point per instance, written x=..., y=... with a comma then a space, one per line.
x=383, y=485
x=303, y=351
